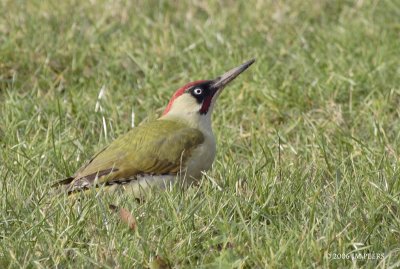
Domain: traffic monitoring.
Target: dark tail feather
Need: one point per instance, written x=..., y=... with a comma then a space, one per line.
x=65, y=181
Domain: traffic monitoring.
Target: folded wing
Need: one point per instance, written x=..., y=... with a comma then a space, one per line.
x=160, y=147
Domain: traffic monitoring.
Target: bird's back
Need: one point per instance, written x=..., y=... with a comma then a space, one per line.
x=160, y=147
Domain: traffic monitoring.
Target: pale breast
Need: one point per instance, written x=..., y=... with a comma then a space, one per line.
x=144, y=184
x=201, y=158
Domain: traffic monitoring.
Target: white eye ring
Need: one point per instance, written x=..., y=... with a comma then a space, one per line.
x=198, y=91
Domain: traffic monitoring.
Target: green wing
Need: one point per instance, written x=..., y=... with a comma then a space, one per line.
x=156, y=148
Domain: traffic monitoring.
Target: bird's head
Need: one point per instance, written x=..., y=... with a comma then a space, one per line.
x=197, y=99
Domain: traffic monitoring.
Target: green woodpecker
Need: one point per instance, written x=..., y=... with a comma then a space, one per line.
x=178, y=146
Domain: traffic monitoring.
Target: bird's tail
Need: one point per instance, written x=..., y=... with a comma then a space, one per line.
x=65, y=181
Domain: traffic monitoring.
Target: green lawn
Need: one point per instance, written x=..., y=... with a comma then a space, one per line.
x=307, y=169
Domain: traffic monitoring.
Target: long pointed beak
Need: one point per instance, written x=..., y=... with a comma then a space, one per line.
x=223, y=80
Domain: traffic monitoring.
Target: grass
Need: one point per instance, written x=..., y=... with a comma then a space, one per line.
x=308, y=139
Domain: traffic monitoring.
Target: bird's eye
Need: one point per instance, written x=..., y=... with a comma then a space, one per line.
x=198, y=91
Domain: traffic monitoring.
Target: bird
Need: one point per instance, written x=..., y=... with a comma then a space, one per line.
x=176, y=148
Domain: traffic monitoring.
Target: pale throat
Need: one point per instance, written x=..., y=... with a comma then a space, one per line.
x=187, y=110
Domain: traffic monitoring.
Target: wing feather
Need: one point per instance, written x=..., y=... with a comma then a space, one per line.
x=155, y=148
